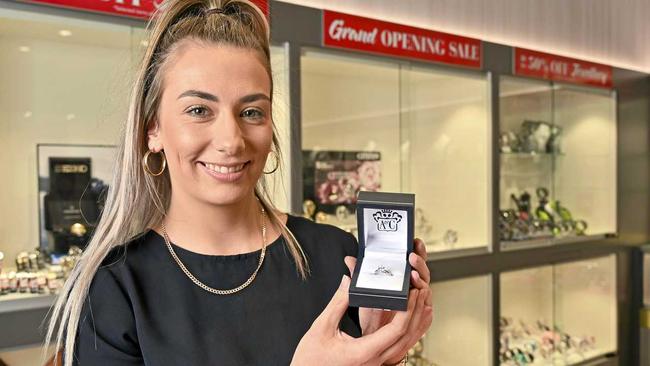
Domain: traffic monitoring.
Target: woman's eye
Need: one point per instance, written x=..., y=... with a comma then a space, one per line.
x=252, y=113
x=198, y=111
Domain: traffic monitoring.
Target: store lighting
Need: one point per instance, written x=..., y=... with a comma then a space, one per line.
x=23, y=49
x=27, y=114
x=65, y=33
x=144, y=43
x=70, y=116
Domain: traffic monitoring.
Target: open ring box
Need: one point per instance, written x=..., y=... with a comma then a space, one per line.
x=381, y=278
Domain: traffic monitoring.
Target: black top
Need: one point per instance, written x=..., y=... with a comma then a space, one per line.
x=142, y=308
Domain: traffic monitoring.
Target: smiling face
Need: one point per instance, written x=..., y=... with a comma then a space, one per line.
x=214, y=121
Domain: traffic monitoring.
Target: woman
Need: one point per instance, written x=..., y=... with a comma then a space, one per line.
x=190, y=263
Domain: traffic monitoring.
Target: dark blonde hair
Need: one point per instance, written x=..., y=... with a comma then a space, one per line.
x=137, y=201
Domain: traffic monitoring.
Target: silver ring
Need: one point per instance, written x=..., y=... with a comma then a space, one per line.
x=381, y=270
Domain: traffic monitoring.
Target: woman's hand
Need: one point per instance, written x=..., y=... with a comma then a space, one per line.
x=373, y=319
x=325, y=344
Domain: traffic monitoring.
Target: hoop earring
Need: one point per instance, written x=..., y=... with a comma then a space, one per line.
x=277, y=163
x=145, y=163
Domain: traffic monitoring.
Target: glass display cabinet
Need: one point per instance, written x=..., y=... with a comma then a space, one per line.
x=380, y=125
x=462, y=321
x=560, y=314
x=557, y=148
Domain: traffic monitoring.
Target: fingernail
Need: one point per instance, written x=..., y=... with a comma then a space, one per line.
x=345, y=282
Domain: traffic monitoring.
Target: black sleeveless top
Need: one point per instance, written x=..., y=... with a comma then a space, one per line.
x=142, y=308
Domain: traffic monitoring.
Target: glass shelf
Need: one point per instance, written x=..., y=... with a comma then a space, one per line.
x=560, y=314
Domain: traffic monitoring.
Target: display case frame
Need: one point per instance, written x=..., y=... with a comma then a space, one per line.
x=298, y=27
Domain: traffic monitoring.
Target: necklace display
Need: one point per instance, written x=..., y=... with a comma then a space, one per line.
x=208, y=288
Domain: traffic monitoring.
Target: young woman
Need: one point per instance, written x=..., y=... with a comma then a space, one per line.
x=190, y=263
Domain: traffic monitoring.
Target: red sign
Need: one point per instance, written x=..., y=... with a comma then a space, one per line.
x=559, y=68
x=370, y=35
x=142, y=9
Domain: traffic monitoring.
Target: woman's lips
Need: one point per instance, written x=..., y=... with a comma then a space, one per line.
x=225, y=174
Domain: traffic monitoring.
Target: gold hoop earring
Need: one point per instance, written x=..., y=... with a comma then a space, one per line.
x=145, y=163
x=277, y=163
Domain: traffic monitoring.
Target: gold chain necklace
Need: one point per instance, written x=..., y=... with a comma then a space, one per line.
x=208, y=288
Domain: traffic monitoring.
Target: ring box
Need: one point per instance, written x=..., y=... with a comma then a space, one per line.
x=381, y=277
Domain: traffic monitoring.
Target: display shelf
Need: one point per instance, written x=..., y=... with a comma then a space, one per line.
x=530, y=155
x=561, y=314
x=534, y=243
x=25, y=301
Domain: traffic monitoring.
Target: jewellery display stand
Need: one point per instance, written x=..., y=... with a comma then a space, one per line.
x=425, y=129
x=557, y=163
x=561, y=314
x=382, y=275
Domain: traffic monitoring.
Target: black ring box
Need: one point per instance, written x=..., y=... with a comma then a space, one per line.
x=387, y=213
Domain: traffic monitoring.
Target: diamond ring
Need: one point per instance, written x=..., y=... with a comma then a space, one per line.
x=381, y=270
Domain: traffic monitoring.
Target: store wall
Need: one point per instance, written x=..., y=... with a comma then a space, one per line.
x=611, y=32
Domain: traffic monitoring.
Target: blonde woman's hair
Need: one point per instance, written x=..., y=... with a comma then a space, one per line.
x=135, y=200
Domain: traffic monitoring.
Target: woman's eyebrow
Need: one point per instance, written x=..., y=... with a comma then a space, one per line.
x=211, y=97
x=199, y=94
x=254, y=97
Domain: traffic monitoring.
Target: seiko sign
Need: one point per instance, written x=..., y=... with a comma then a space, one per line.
x=352, y=32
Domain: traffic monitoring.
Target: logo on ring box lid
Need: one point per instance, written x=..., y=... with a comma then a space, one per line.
x=387, y=220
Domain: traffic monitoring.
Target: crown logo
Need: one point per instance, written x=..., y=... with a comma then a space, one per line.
x=387, y=220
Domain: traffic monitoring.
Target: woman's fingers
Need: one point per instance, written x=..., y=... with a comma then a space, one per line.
x=391, y=333
x=421, y=284
x=420, y=248
x=351, y=262
x=397, y=349
x=420, y=265
x=414, y=332
x=338, y=305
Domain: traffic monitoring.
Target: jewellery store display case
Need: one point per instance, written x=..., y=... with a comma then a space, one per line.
x=389, y=126
x=557, y=146
x=559, y=314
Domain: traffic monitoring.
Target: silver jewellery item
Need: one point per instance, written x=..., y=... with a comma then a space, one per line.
x=381, y=270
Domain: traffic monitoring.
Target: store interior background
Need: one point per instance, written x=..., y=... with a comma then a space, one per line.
x=74, y=89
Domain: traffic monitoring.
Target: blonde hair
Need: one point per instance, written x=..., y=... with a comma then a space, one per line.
x=135, y=200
